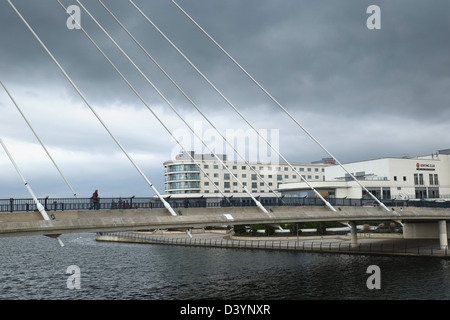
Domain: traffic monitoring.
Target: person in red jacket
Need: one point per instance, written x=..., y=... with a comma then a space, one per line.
x=95, y=201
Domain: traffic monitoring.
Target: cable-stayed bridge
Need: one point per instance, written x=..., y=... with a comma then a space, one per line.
x=20, y=217
x=167, y=215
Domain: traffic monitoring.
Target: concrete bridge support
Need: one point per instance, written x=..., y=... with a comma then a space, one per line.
x=428, y=230
x=353, y=234
x=443, y=239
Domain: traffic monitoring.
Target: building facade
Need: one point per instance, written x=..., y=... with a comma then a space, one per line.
x=203, y=174
x=423, y=177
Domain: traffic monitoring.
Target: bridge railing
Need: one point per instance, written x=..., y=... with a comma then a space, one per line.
x=62, y=204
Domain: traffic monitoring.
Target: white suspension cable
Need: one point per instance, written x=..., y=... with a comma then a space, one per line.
x=166, y=205
x=37, y=137
x=185, y=95
x=231, y=105
x=174, y=109
x=137, y=94
x=278, y=104
x=39, y=206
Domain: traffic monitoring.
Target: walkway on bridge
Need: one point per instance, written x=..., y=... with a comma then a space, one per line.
x=368, y=244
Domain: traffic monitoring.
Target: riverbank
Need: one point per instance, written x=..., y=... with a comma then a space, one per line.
x=368, y=243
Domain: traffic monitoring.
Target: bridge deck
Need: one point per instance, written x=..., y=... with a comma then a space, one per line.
x=31, y=223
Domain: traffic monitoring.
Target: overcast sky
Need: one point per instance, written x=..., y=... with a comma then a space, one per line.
x=362, y=93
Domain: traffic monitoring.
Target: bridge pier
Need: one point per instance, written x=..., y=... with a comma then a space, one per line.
x=443, y=239
x=353, y=234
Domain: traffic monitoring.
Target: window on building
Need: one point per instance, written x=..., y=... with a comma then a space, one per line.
x=279, y=177
x=254, y=185
x=404, y=178
x=431, y=179
x=436, y=180
x=286, y=176
x=206, y=166
x=418, y=178
x=286, y=168
x=433, y=193
x=216, y=175
x=309, y=169
x=226, y=176
x=216, y=166
x=206, y=183
x=253, y=176
x=316, y=169
x=244, y=175
x=421, y=193
x=395, y=178
x=243, y=167
x=226, y=184
x=234, y=167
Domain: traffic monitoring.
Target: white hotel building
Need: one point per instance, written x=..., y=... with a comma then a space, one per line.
x=422, y=177
x=207, y=176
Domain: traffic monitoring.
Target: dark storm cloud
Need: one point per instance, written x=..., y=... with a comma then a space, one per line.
x=318, y=54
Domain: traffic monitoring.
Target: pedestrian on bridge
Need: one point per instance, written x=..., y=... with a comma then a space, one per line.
x=95, y=201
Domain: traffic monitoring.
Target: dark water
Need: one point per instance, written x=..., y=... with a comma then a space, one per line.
x=35, y=268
